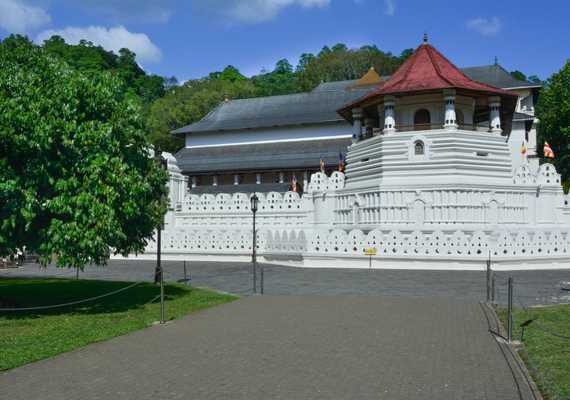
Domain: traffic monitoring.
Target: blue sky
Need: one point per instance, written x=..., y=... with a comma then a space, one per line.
x=189, y=39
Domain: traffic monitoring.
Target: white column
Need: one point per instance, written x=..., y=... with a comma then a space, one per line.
x=215, y=180
x=368, y=127
x=450, y=122
x=194, y=182
x=236, y=179
x=380, y=118
x=258, y=179
x=281, y=177
x=389, y=114
x=495, y=114
x=357, y=124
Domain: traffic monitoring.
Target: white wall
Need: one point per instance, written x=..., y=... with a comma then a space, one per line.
x=268, y=135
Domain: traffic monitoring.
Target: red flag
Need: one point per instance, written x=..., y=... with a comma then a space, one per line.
x=548, y=153
x=340, y=162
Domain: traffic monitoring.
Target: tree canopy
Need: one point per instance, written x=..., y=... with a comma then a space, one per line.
x=553, y=112
x=76, y=179
x=88, y=58
x=341, y=63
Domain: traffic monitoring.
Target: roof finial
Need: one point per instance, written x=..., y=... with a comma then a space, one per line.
x=425, y=37
x=496, y=60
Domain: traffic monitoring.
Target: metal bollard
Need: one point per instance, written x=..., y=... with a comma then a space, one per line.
x=510, y=310
x=254, y=277
x=493, y=288
x=489, y=272
x=261, y=279
x=185, y=275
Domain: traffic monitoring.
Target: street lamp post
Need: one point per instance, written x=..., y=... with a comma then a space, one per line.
x=159, y=273
x=254, y=203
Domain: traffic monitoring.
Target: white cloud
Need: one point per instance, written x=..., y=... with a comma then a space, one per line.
x=389, y=7
x=112, y=39
x=253, y=11
x=18, y=17
x=485, y=26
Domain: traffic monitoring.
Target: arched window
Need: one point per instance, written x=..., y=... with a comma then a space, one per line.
x=459, y=117
x=422, y=119
x=419, y=148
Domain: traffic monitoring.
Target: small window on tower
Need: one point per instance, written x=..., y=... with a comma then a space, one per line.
x=419, y=148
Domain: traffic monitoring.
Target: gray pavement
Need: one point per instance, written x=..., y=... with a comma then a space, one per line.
x=288, y=347
x=531, y=287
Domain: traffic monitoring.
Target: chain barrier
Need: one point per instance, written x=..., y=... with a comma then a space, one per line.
x=537, y=324
x=72, y=303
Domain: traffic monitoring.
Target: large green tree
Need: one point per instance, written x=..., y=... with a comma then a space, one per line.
x=553, y=111
x=76, y=180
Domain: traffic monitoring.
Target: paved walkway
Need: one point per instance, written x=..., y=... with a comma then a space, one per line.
x=288, y=347
x=531, y=287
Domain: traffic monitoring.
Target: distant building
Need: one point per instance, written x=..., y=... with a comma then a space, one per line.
x=265, y=141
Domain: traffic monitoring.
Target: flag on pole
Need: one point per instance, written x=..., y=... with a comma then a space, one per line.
x=322, y=162
x=548, y=153
x=340, y=162
x=294, y=183
x=524, y=149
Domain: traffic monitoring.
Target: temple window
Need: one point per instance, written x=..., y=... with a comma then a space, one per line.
x=422, y=119
x=419, y=148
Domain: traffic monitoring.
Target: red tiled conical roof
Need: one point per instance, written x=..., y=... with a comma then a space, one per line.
x=428, y=70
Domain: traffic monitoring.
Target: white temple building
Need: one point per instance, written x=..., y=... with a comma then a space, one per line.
x=435, y=176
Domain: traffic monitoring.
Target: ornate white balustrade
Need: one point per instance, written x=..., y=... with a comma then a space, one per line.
x=432, y=207
x=224, y=209
x=419, y=244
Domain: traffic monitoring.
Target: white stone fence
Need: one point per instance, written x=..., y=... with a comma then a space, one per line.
x=520, y=244
x=507, y=244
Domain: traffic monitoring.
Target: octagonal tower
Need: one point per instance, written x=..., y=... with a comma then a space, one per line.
x=430, y=123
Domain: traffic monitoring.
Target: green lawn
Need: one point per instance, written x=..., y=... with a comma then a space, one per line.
x=32, y=336
x=547, y=356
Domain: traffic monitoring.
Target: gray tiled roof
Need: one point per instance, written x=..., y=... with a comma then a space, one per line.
x=261, y=156
x=317, y=106
x=497, y=76
x=331, y=86
x=313, y=107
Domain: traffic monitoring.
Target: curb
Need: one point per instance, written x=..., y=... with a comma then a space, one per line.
x=526, y=386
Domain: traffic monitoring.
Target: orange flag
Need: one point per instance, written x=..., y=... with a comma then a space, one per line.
x=548, y=153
